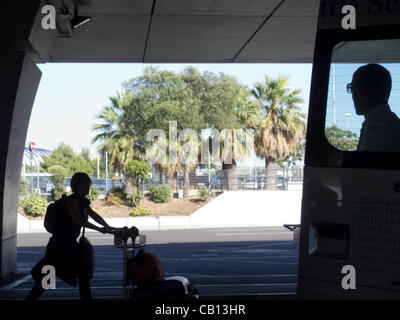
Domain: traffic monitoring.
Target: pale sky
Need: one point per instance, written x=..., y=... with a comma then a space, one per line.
x=70, y=95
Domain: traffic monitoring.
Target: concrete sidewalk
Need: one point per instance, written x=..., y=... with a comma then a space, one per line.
x=230, y=209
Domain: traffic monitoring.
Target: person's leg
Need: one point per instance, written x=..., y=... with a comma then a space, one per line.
x=36, y=292
x=84, y=285
x=37, y=276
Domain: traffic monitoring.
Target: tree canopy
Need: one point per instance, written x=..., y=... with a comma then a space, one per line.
x=65, y=156
x=345, y=140
x=193, y=101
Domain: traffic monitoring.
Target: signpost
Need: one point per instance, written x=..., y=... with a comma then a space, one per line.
x=32, y=147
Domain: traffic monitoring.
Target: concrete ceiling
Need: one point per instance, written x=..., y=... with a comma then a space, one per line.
x=191, y=31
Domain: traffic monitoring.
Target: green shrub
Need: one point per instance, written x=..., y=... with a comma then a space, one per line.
x=141, y=211
x=137, y=172
x=119, y=192
x=94, y=192
x=160, y=193
x=59, y=173
x=57, y=192
x=113, y=200
x=23, y=201
x=36, y=206
x=204, y=193
x=138, y=197
x=23, y=186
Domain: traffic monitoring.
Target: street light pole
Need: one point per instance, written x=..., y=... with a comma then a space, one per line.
x=31, y=154
x=333, y=95
x=348, y=115
x=106, y=173
x=98, y=167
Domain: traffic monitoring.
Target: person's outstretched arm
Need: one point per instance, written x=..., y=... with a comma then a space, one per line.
x=74, y=211
x=95, y=216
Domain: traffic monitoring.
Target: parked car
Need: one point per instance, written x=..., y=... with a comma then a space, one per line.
x=49, y=186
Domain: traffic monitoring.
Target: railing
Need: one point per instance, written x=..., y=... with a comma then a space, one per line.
x=238, y=179
x=215, y=180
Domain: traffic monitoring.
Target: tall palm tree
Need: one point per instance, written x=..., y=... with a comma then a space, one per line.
x=187, y=159
x=114, y=134
x=282, y=125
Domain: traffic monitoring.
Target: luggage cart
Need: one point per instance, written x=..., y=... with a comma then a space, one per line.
x=173, y=288
x=128, y=250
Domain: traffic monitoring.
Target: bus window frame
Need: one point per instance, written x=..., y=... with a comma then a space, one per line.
x=319, y=152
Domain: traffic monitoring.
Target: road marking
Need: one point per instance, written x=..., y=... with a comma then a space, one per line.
x=249, y=294
x=247, y=234
x=196, y=285
x=72, y=288
x=248, y=229
x=16, y=283
x=34, y=252
x=235, y=276
x=230, y=258
x=247, y=285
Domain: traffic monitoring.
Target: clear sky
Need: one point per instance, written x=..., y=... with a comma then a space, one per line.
x=70, y=95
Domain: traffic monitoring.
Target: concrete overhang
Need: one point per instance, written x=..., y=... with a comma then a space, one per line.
x=190, y=31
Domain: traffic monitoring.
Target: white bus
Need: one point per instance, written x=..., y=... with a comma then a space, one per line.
x=351, y=203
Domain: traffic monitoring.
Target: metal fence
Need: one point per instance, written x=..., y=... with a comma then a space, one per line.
x=236, y=179
x=215, y=180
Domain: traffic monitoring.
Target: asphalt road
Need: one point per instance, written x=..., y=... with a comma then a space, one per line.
x=219, y=262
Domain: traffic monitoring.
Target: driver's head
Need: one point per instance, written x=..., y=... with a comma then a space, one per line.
x=371, y=86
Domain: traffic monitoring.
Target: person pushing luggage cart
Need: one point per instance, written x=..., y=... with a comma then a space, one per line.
x=71, y=260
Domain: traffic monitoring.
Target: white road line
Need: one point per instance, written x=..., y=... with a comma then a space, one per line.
x=71, y=288
x=252, y=233
x=34, y=252
x=197, y=285
x=16, y=283
x=228, y=258
x=248, y=285
x=246, y=229
x=116, y=274
x=236, y=276
x=250, y=294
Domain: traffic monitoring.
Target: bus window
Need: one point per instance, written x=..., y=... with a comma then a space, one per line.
x=351, y=205
x=361, y=73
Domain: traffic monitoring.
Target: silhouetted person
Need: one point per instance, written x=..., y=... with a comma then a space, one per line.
x=63, y=250
x=370, y=88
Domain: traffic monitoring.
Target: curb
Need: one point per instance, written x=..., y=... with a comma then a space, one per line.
x=231, y=209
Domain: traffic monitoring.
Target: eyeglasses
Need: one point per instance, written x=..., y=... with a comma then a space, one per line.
x=348, y=88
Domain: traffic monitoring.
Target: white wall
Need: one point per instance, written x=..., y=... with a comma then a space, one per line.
x=230, y=209
x=250, y=209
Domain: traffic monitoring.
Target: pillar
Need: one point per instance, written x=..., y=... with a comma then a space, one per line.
x=23, y=43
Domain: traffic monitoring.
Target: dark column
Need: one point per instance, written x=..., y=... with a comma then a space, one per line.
x=19, y=79
x=23, y=42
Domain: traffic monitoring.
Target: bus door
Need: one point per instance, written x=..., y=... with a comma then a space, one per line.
x=350, y=221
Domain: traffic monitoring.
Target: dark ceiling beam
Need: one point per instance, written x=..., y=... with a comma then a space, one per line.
x=148, y=31
x=258, y=29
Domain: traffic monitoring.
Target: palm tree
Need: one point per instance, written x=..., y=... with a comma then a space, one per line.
x=282, y=125
x=187, y=158
x=114, y=134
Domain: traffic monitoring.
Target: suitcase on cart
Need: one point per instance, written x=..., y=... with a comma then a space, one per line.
x=176, y=288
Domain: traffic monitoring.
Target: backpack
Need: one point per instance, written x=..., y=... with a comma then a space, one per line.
x=55, y=213
x=145, y=268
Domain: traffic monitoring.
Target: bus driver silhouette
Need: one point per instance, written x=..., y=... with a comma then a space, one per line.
x=370, y=88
